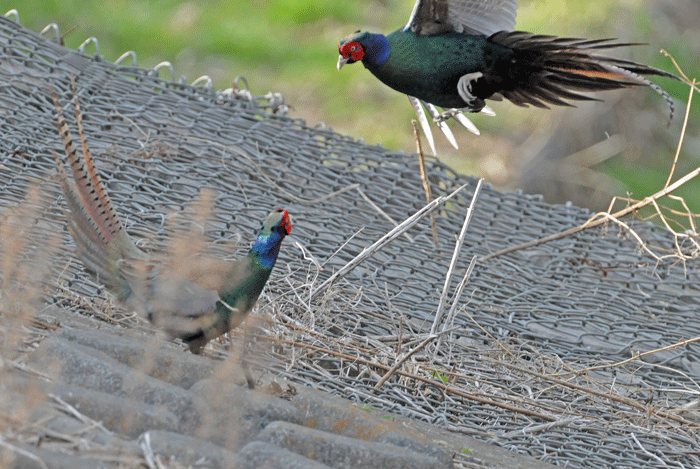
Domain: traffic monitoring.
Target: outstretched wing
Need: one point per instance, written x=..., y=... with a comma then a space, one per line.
x=463, y=16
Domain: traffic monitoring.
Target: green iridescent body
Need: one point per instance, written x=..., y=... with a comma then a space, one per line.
x=240, y=291
x=429, y=67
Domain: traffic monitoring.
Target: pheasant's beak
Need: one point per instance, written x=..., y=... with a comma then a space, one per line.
x=342, y=61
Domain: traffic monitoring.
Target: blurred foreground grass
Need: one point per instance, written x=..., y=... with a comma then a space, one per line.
x=290, y=46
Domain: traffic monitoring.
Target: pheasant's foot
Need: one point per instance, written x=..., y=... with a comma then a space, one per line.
x=445, y=115
x=248, y=374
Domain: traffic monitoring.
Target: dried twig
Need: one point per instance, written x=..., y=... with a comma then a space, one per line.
x=636, y=357
x=455, y=257
x=75, y=413
x=456, y=300
x=426, y=183
x=148, y=453
x=604, y=395
x=542, y=427
x=682, y=137
x=24, y=453
x=342, y=246
x=687, y=80
x=601, y=218
x=648, y=453
x=382, y=212
x=408, y=355
x=383, y=241
x=439, y=384
x=596, y=220
x=403, y=359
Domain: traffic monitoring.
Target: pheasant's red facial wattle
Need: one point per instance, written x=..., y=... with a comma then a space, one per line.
x=286, y=221
x=352, y=51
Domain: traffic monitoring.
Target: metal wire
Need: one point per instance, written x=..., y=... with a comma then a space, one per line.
x=586, y=300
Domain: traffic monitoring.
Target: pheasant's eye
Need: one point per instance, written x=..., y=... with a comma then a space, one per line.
x=352, y=49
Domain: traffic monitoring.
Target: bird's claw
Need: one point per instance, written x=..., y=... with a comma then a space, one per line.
x=440, y=118
x=445, y=115
x=458, y=115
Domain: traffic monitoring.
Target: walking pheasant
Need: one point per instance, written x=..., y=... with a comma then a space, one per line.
x=145, y=283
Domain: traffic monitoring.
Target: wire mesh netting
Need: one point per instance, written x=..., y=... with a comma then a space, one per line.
x=533, y=362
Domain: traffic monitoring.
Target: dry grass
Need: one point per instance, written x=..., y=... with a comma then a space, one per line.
x=679, y=222
x=27, y=246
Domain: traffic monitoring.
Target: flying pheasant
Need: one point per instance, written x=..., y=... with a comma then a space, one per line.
x=143, y=283
x=457, y=53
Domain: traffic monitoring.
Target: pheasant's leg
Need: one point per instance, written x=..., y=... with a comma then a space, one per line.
x=245, y=364
x=248, y=374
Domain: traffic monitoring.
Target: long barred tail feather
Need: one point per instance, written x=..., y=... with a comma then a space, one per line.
x=660, y=91
x=93, y=221
x=96, y=201
x=548, y=69
x=91, y=247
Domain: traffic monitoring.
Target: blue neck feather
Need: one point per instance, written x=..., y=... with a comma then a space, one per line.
x=266, y=249
x=377, y=50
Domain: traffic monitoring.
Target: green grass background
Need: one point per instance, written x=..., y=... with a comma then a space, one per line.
x=290, y=46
